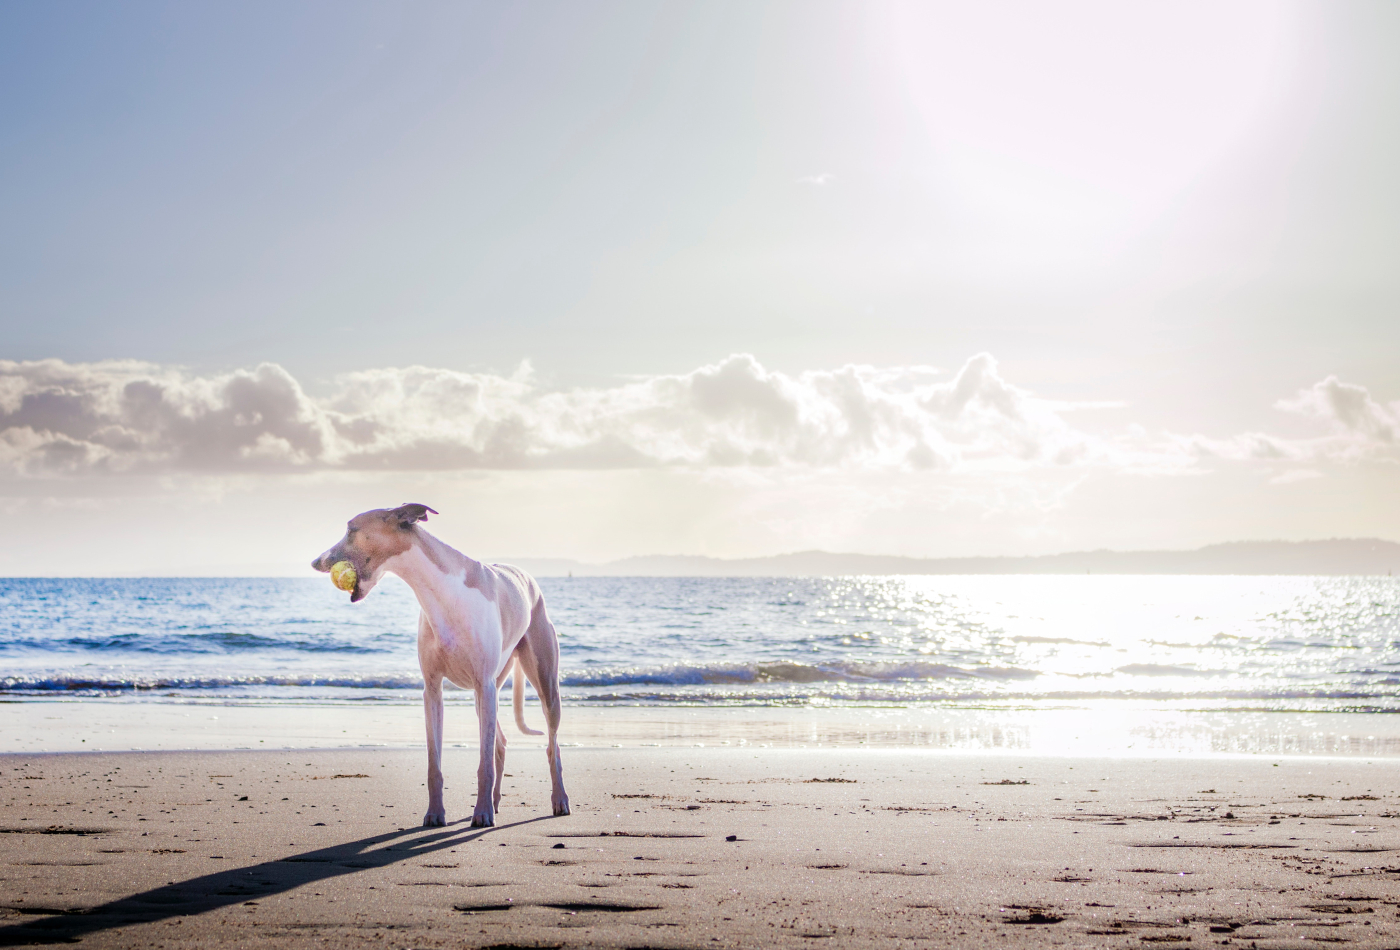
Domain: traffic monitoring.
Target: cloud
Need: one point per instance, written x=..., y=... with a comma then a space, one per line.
x=825, y=178
x=1360, y=429
x=117, y=416
x=1349, y=410
x=131, y=417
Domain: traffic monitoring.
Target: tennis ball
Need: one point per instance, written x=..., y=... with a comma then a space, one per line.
x=343, y=575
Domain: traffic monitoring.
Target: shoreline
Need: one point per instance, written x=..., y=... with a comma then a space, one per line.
x=1112, y=728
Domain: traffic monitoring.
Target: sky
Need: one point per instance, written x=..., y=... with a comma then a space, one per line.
x=735, y=279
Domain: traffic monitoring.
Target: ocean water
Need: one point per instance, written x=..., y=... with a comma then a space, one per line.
x=1249, y=643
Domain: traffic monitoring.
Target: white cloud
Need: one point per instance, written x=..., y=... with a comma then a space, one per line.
x=1356, y=419
x=134, y=417
x=825, y=178
x=118, y=416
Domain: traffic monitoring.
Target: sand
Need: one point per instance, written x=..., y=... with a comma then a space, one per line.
x=894, y=847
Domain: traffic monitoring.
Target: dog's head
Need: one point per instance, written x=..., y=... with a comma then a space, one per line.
x=371, y=539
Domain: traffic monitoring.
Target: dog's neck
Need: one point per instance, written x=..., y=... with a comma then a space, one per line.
x=434, y=570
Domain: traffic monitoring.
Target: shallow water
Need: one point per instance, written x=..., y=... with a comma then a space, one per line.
x=1263, y=642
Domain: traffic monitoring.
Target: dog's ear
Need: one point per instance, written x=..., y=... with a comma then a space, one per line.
x=405, y=516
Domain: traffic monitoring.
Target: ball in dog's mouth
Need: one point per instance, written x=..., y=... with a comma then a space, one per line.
x=343, y=576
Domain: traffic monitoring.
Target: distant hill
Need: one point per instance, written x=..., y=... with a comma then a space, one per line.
x=1340, y=556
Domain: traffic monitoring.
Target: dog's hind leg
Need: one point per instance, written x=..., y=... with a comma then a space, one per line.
x=549, y=699
x=500, y=763
x=539, y=656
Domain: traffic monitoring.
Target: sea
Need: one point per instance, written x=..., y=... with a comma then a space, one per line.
x=1317, y=644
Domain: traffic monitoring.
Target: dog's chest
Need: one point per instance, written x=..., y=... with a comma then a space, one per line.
x=465, y=619
x=473, y=640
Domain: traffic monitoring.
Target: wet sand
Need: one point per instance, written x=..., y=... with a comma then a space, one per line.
x=831, y=847
x=1111, y=728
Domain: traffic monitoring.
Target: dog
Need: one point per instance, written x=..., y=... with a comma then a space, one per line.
x=478, y=623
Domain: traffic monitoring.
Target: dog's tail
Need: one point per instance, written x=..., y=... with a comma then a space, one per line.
x=517, y=678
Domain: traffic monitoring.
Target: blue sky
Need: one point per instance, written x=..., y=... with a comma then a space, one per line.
x=636, y=244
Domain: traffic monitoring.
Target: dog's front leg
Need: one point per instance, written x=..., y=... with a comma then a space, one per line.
x=432, y=717
x=485, y=814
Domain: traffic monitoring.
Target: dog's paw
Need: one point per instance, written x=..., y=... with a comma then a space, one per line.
x=434, y=819
x=561, y=806
x=483, y=819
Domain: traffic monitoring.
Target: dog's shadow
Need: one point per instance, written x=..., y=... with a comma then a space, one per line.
x=200, y=895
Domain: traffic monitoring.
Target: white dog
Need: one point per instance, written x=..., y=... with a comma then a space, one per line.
x=476, y=619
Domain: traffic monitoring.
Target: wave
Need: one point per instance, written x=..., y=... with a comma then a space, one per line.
x=179, y=644
x=775, y=673
x=1159, y=669
x=74, y=682
x=777, y=680
x=1263, y=700
x=689, y=689
x=786, y=671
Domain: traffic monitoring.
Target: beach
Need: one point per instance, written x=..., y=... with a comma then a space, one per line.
x=682, y=845
x=898, y=762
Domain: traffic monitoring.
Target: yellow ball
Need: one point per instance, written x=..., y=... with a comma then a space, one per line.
x=343, y=575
